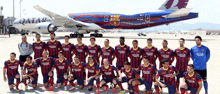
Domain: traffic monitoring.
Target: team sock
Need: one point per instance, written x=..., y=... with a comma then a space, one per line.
x=182, y=90
x=156, y=89
x=25, y=83
x=205, y=83
x=71, y=83
x=177, y=83
x=51, y=81
x=136, y=89
x=97, y=83
x=17, y=82
x=65, y=82
x=120, y=85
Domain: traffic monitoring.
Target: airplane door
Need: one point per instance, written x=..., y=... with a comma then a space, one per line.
x=106, y=18
x=147, y=17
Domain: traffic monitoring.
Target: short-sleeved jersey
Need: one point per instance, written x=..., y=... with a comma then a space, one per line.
x=166, y=54
x=78, y=69
x=151, y=53
x=81, y=51
x=92, y=69
x=193, y=80
x=135, y=56
x=122, y=53
x=61, y=66
x=30, y=69
x=182, y=56
x=45, y=64
x=108, y=53
x=94, y=51
x=54, y=47
x=108, y=72
x=166, y=75
x=131, y=74
x=12, y=67
x=148, y=72
x=38, y=48
x=68, y=50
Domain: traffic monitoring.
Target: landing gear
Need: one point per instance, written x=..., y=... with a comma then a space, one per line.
x=96, y=34
x=76, y=35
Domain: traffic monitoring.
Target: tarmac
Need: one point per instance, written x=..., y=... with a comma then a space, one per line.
x=9, y=44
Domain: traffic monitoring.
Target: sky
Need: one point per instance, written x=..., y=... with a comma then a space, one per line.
x=208, y=10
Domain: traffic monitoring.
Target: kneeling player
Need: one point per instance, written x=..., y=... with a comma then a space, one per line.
x=107, y=70
x=168, y=73
x=31, y=67
x=192, y=81
x=46, y=64
x=78, y=73
x=131, y=75
x=93, y=73
x=148, y=76
x=11, y=68
x=62, y=66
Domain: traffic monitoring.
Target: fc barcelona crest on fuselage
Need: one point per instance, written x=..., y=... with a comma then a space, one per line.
x=115, y=20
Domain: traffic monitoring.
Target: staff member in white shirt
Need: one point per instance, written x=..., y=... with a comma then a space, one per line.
x=25, y=49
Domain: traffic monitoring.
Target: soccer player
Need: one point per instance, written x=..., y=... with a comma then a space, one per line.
x=68, y=49
x=108, y=52
x=81, y=50
x=148, y=75
x=63, y=68
x=200, y=55
x=53, y=46
x=182, y=55
x=131, y=75
x=31, y=68
x=94, y=49
x=168, y=73
x=122, y=52
x=151, y=52
x=192, y=81
x=11, y=67
x=136, y=54
x=77, y=68
x=38, y=47
x=165, y=53
x=107, y=70
x=93, y=73
x=46, y=64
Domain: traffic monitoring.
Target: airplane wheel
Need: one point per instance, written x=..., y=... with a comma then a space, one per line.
x=91, y=35
x=101, y=35
x=81, y=35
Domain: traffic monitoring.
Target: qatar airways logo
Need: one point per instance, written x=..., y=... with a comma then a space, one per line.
x=45, y=63
x=32, y=20
x=149, y=54
x=91, y=71
x=199, y=54
x=31, y=69
x=92, y=51
x=191, y=81
x=121, y=52
x=182, y=55
x=146, y=72
x=13, y=67
x=108, y=73
x=77, y=70
x=66, y=49
x=61, y=67
x=79, y=50
x=129, y=76
x=106, y=53
x=135, y=55
x=38, y=47
x=167, y=75
x=165, y=56
x=52, y=46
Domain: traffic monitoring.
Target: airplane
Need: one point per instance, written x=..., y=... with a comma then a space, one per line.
x=84, y=23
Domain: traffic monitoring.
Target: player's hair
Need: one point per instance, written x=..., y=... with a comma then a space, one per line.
x=164, y=60
x=79, y=37
x=149, y=39
x=107, y=40
x=29, y=57
x=67, y=36
x=76, y=57
x=182, y=39
x=61, y=53
x=145, y=57
x=52, y=33
x=191, y=65
x=93, y=58
x=13, y=53
x=92, y=38
x=37, y=34
x=165, y=41
x=199, y=37
x=135, y=41
x=123, y=38
x=127, y=63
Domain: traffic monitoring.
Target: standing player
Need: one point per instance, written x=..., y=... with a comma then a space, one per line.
x=94, y=50
x=93, y=73
x=68, y=49
x=165, y=53
x=77, y=68
x=131, y=75
x=81, y=50
x=200, y=55
x=31, y=68
x=38, y=47
x=167, y=73
x=148, y=75
x=192, y=81
x=122, y=52
x=46, y=64
x=136, y=54
x=107, y=70
x=151, y=52
x=54, y=46
x=11, y=67
x=108, y=52
x=62, y=67
x=182, y=55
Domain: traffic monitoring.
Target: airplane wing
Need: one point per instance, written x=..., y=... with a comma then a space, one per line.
x=60, y=20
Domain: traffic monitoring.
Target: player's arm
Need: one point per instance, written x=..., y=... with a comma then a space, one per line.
x=200, y=87
x=4, y=71
x=99, y=52
x=113, y=54
x=60, y=48
x=207, y=54
x=172, y=56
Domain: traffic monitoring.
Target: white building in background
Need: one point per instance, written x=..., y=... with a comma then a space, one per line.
x=204, y=32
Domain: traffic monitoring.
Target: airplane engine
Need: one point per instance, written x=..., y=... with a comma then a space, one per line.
x=83, y=31
x=45, y=28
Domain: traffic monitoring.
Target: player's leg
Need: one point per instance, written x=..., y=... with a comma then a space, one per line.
x=204, y=79
x=65, y=76
x=180, y=75
x=60, y=79
x=135, y=84
x=24, y=80
x=34, y=82
x=11, y=83
x=148, y=86
x=46, y=80
x=97, y=84
x=17, y=76
x=183, y=88
x=104, y=83
x=171, y=89
x=114, y=87
x=91, y=84
x=80, y=82
x=156, y=87
x=51, y=80
x=71, y=79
